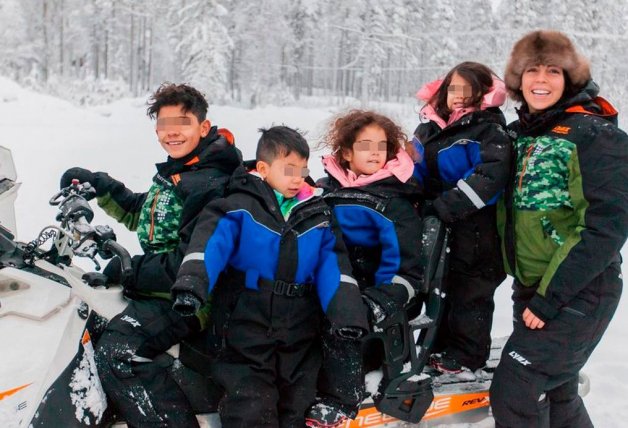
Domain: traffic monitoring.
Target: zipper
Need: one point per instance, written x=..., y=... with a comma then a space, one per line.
x=525, y=165
x=151, y=233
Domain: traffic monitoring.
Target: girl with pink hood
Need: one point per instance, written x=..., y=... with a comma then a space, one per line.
x=374, y=198
x=462, y=157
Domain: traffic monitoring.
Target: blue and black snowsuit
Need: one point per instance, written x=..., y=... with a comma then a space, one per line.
x=464, y=168
x=270, y=277
x=381, y=228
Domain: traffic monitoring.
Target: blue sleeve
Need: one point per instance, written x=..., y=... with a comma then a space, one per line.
x=420, y=166
x=220, y=247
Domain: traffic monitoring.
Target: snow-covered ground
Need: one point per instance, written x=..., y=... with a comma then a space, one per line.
x=48, y=135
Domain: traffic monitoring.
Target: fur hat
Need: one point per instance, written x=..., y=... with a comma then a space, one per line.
x=545, y=47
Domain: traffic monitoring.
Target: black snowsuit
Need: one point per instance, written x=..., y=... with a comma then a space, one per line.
x=135, y=373
x=269, y=277
x=566, y=220
x=464, y=168
x=382, y=230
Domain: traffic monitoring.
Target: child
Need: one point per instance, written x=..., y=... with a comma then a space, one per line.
x=271, y=244
x=463, y=159
x=374, y=197
x=567, y=222
x=200, y=160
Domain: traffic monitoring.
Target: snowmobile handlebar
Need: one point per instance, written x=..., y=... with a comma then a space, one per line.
x=85, y=190
x=116, y=249
x=84, y=240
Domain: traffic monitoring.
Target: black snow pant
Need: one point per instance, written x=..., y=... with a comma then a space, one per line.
x=475, y=271
x=341, y=379
x=134, y=371
x=535, y=384
x=271, y=361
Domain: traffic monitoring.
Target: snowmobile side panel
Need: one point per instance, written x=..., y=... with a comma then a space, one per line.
x=444, y=409
x=76, y=398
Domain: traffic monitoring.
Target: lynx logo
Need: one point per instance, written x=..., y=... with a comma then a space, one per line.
x=519, y=358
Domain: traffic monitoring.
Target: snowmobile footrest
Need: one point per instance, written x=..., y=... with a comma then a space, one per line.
x=407, y=400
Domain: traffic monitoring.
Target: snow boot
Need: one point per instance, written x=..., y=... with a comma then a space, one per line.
x=322, y=415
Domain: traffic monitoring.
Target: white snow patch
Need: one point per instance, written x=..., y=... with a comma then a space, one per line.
x=418, y=377
x=86, y=391
x=372, y=381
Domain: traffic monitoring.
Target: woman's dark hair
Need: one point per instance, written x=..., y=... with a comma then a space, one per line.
x=479, y=76
x=345, y=129
x=570, y=89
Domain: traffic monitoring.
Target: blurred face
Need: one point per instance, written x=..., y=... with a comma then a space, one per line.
x=542, y=86
x=285, y=174
x=179, y=133
x=368, y=154
x=459, y=93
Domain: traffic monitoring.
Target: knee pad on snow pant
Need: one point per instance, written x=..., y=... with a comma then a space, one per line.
x=144, y=394
x=125, y=391
x=517, y=396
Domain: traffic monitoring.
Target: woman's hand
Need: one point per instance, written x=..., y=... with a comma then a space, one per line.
x=531, y=320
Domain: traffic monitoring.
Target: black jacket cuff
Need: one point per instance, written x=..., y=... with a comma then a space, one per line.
x=190, y=284
x=542, y=308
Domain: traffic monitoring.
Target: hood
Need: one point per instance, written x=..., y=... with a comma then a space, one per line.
x=495, y=97
x=587, y=101
x=215, y=150
x=400, y=167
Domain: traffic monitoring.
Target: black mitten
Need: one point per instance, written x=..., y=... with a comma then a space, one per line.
x=179, y=329
x=100, y=181
x=186, y=304
x=384, y=300
x=81, y=174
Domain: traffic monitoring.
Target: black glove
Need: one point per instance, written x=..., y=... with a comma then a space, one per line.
x=179, y=329
x=113, y=271
x=81, y=174
x=186, y=304
x=375, y=312
x=384, y=300
x=100, y=181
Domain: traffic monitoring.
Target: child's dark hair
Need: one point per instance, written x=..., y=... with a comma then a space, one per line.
x=170, y=94
x=345, y=129
x=280, y=141
x=479, y=76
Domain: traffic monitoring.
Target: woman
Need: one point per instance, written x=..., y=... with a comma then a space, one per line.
x=566, y=221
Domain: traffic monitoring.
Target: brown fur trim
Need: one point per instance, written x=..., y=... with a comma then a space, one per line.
x=544, y=47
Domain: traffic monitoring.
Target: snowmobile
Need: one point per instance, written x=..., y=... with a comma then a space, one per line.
x=52, y=313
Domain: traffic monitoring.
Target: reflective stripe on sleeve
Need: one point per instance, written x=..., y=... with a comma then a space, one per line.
x=468, y=190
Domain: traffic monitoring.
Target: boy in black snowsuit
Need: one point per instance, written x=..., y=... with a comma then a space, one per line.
x=273, y=248
x=130, y=359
